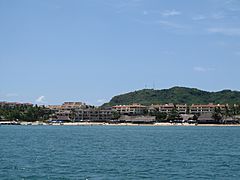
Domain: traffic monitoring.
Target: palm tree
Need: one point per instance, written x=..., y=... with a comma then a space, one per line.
x=73, y=115
x=227, y=111
x=217, y=115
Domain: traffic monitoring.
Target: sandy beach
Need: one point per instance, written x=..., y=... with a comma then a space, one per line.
x=122, y=124
x=130, y=124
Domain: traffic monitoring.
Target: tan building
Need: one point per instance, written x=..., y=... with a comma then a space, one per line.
x=78, y=111
x=71, y=105
x=167, y=108
x=133, y=109
x=94, y=115
x=164, y=108
x=182, y=108
x=85, y=115
x=67, y=106
x=205, y=108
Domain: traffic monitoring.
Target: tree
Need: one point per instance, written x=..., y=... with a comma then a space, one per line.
x=115, y=115
x=24, y=113
x=160, y=116
x=174, y=115
x=73, y=115
x=217, y=115
x=228, y=112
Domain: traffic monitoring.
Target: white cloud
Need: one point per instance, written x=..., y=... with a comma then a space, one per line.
x=41, y=100
x=167, y=24
x=199, y=69
x=232, y=5
x=101, y=100
x=168, y=13
x=225, y=31
x=218, y=16
x=170, y=24
x=214, y=16
x=199, y=18
x=202, y=69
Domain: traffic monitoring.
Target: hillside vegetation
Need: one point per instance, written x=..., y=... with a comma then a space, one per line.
x=176, y=95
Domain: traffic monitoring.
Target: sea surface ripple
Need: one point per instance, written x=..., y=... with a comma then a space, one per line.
x=119, y=152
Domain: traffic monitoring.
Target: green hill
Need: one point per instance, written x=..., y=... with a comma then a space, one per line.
x=176, y=95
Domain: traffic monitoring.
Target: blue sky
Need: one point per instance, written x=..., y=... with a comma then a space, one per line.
x=69, y=50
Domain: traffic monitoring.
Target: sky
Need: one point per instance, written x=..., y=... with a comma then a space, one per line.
x=53, y=51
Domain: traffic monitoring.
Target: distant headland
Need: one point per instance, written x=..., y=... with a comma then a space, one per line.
x=176, y=95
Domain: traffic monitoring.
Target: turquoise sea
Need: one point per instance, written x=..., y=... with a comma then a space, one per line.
x=119, y=152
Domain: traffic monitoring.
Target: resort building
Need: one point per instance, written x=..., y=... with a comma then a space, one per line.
x=73, y=105
x=163, y=108
x=167, y=108
x=133, y=109
x=182, y=108
x=94, y=115
x=67, y=106
x=205, y=108
x=138, y=119
x=85, y=115
x=206, y=118
x=78, y=111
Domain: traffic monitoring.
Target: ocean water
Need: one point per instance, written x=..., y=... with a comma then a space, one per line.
x=119, y=152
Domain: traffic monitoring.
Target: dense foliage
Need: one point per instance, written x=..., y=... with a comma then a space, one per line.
x=228, y=112
x=24, y=113
x=176, y=95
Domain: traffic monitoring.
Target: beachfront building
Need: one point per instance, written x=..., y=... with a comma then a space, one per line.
x=206, y=118
x=84, y=115
x=77, y=111
x=167, y=108
x=205, y=108
x=73, y=105
x=134, y=109
x=182, y=108
x=138, y=119
x=163, y=108
x=93, y=115
x=63, y=115
x=67, y=106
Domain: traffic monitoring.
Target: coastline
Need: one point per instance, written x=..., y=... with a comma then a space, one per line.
x=155, y=124
x=39, y=123
x=131, y=124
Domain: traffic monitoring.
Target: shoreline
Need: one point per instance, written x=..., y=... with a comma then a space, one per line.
x=128, y=124
x=112, y=124
x=155, y=124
